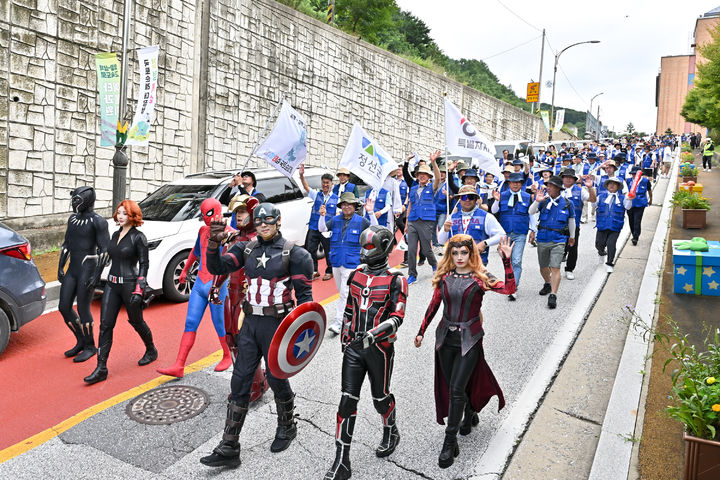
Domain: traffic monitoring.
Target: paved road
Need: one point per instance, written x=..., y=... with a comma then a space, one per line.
x=517, y=336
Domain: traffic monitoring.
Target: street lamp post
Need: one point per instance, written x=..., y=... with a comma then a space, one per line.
x=552, y=105
x=597, y=121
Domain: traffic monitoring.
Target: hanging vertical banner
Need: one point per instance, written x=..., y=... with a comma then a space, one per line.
x=139, y=133
x=546, y=119
x=108, y=80
x=286, y=146
x=559, y=120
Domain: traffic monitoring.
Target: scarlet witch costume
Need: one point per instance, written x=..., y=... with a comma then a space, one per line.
x=461, y=372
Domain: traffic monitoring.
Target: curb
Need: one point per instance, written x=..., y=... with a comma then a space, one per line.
x=614, y=451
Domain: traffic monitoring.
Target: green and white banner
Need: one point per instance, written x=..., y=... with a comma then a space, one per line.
x=139, y=133
x=108, y=80
x=546, y=119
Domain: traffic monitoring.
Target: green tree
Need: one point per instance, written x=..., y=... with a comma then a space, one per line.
x=668, y=131
x=702, y=103
x=367, y=18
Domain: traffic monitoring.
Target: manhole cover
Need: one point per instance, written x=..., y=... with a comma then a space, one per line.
x=166, y=405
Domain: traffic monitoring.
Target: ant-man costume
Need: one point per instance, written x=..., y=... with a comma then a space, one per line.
x=374, y=310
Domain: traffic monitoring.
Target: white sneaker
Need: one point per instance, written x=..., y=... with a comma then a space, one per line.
x=570, y=275
x=609, y=268
x=334, y=329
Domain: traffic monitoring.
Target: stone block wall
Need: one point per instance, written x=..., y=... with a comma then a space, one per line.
x=223, y=66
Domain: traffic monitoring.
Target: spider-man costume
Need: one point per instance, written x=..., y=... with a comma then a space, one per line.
x=200, y=297
x=374, y=310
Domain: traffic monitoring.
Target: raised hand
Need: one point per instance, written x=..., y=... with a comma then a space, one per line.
x=496, y=195
x=418, y=341
x=540, y=195
x=217, y=230
x=322, y=211
x=435, y=154
x=301, y=169
x=505, y=247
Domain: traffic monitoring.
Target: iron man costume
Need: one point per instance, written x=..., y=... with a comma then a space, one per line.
x=374, y=310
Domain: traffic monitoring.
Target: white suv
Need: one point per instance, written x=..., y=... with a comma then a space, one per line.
x=172, y=219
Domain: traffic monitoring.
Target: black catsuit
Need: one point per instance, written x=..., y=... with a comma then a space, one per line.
x=128, y=270
x=86, y=242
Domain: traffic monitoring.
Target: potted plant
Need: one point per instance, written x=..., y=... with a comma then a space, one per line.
x=695, y=393
x=694, y=208
x=687, y=157
x=688, y=172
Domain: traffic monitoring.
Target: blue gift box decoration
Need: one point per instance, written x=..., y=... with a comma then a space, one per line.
x=697, y=273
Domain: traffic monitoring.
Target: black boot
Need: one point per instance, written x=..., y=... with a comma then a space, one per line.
x=449, y=451
x=470, y=420
x=391, y=436
x=151, y=353
x=227, y=453
x=101, y=372
x=287, y=427
x=88, y=343
x=75, y=329
x=340, y=469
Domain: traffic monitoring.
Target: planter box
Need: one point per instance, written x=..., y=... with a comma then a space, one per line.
x=694, y=218
x=688, y=179
x=702, y=458
x=697, y=273
x=697, y=188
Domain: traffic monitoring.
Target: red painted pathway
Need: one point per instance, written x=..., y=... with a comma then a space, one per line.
x=41, y=388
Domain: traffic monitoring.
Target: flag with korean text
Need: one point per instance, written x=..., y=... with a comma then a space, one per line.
x=364, y=157
x=465, y=140
x=285, y=148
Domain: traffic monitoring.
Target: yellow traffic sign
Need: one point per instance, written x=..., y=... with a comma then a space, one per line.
x=533, y=92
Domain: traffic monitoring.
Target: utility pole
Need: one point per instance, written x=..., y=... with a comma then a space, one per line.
x=542, y=55
x=120, y=159
x=598, y=123
x=330, y=20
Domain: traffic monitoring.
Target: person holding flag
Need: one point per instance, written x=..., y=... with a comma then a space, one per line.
x=379, y=204
x=323, y=198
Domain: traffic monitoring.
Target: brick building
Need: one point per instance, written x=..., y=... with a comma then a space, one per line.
x=677, y=73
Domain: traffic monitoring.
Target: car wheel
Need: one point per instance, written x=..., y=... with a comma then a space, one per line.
x=172, y=290
x=4, y=330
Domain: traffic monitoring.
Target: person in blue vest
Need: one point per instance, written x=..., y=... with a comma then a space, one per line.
x=592, y=165
x=486, y=188
x=441, y=202
x=346, y=228
x=401, y=218
x=472, y=220
x=421, y=216
x=326, y=198
x=556, y=227
x=577, y=195
x=562, y=164
x=511, y=209
x=380, y=204
x=623, y=165
x=648, y=162
x=611, y=207
x=643, y=198
x=343, y=175
x=507, y=171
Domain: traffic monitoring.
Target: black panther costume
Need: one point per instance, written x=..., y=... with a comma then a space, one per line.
x=273, y=267
x=374, y=310
x=125, y=286
x=86, y=242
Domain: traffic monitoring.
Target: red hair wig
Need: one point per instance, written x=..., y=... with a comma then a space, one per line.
x=133, y=211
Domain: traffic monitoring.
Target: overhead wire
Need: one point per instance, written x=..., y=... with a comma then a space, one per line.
x=519, y=17
x=511, y=48
x=582, y=99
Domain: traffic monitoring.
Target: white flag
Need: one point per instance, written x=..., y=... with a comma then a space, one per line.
x=464, y=140
x=139, y=133
x=285, y=147
x=559, y=120
x=366, y=159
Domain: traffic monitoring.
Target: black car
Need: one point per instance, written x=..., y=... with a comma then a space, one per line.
x=22, y=290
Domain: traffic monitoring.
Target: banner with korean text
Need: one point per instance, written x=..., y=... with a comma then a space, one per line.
x=139, y=133
x=464, y=139
x=108, y=80
x=559, y=120
x=364, y=157
x=285, y=148
x=546, y=119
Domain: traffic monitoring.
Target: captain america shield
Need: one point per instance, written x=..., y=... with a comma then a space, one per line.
x=297, y=340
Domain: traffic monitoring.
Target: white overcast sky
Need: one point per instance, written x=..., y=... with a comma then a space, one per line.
x=634, y=34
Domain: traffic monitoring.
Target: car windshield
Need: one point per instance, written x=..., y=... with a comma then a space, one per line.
x=175, y=203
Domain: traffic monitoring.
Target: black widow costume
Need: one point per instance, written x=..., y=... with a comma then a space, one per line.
x=374, y=310
x=463, y=379
x=125, y=287
x=86, y=243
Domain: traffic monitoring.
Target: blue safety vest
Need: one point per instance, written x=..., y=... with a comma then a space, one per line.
x=330, y=203
x=647, y=160
x=475, y=228
x=553, y=223
x=403, y=191
x=345, y=249
x=610, y=217
x=424, y=208
x=590, y=167
x=641, y=197
x=380, y=201
x=516, y=218
x=349, y=187
x=441, y=200
x=576, y=200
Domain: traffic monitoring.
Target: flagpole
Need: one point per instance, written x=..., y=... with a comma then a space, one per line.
x=267, y=124
x=447, y=173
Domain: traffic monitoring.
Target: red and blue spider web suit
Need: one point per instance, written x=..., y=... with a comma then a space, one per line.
x=200, y=297
x=374, y=310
